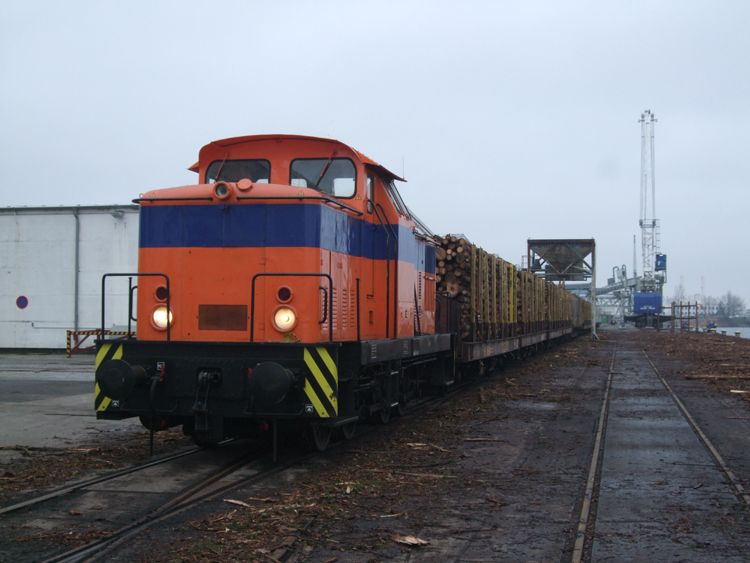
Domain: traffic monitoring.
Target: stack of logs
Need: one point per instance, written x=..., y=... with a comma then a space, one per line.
x=497, y=300
x=453, y=273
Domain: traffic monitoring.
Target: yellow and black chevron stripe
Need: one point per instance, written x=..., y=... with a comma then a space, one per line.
x=106, y=352
x=322, y=385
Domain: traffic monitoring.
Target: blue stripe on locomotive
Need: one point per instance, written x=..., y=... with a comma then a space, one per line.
x=273, y=225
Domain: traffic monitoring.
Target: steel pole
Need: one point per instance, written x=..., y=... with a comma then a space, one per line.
x=593, y=289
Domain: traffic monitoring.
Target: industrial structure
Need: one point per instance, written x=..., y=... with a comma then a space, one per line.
x=639, y=298
x=565, y=261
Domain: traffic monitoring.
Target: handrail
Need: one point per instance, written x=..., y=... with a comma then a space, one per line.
x=325, y=311
x=417, y=319
x=358, y=327
x=387, y=274
x=395, y=274
x=201, y=198
x=327, y=199
x=296, y=274
x=130, y=299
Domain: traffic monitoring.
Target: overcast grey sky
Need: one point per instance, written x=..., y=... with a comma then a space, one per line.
x=511, y=120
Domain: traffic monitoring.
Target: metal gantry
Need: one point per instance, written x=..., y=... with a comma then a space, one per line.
x=565, y=260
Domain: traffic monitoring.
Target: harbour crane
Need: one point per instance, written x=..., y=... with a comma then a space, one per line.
x=654, y=263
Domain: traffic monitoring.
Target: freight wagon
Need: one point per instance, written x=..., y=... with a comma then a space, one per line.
x=502, y=309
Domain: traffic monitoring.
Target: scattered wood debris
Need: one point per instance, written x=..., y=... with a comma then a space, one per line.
x=409, y=540
x=237, y=502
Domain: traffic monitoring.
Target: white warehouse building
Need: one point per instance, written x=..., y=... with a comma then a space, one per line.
x=52, y=260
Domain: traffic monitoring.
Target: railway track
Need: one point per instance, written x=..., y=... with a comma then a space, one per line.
x=234, y=471
x=624, y=484
x=210, y=488
x=132, y=499
x=94, y=481
x=646, y=439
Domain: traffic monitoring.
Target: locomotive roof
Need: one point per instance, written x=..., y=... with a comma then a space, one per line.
x=382, y=170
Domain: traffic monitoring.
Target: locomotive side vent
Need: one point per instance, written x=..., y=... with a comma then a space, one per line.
x=344, y=309
x=335, y=313
x=353, y=308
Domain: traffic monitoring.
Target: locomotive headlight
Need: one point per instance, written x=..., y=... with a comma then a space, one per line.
x=222, y=190
x=284, y=318
x=159, y=317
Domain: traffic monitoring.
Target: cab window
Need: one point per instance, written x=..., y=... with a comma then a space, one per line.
x=398, y=203
x=368, y=193
x=334, y=176
x=259, y=171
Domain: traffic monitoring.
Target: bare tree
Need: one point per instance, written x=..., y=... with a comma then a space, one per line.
x=711, y=303
x=732, y=305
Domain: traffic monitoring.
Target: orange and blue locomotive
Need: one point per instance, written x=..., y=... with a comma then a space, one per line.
x=290, y=284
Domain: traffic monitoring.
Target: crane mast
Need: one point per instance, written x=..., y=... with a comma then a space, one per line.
x=651, y=281
x=639, y=299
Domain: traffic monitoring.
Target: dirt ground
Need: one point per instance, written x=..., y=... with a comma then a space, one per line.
x=493, y=473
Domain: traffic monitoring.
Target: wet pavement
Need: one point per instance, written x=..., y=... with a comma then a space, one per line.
x=661, y=496
x=47, y=401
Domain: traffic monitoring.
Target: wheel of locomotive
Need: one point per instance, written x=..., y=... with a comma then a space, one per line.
x=381, y=396
x=385, y=414
x=319, y=436
x=401, y=407
x=347, y=430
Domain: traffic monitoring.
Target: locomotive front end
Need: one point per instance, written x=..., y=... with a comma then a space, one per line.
x=235, y=304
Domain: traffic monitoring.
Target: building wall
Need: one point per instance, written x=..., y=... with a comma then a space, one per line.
x=38, y=262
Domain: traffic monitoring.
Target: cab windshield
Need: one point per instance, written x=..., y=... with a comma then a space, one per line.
x=259, y=171
x=334, y=176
